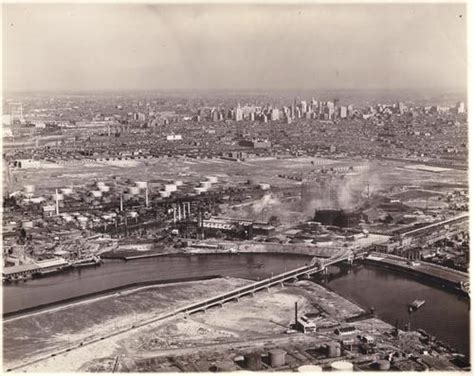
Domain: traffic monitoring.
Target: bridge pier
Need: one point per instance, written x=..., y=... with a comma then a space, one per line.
x=236, y=299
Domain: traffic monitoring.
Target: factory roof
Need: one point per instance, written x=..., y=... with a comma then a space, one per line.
x=51, y=262
x=8, y=270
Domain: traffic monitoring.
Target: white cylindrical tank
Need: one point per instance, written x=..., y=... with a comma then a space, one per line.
x=212, y=179
x=178, y=183
x=164, y=193
x=206, y=184
x=200, y=190
x=264, y=186
x=100, y=184
x=170, y=187
x=134, y=190
x=104, y=188
x=66, y=191
x=29, y=188
x=310, y=368
x=96, y=193
x=342, y=365
x=141, y=184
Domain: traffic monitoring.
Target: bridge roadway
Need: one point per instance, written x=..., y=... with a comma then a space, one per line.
x=305, y=271
x=218, y=300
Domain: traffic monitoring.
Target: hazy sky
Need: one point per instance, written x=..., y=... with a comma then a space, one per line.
x=163, y=47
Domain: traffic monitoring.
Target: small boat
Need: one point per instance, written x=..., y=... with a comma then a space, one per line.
x=414, y=305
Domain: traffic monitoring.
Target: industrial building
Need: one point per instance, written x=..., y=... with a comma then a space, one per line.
x=337, y=217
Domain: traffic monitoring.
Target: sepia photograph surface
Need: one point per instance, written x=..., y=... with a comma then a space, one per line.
x=235, y=187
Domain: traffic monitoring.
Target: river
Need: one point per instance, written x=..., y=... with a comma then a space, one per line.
x=117, y=273
x=444, y=315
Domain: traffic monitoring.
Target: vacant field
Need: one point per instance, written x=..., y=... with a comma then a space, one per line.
x=45, y=332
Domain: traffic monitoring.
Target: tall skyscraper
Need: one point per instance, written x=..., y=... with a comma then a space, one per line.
x=238, y=113
x=304, y=107
x=275, y=114
x=215, y=115
x=330, y=110
x=350, y=111
x=343, y=112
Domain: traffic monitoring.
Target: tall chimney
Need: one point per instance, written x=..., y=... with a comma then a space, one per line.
x=121, y=203
x=57, y=202
x=179, y=212
x=296, y=314
x=146, y=196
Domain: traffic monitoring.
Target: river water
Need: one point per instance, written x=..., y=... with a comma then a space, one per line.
x=444, y=315
x=117, y=273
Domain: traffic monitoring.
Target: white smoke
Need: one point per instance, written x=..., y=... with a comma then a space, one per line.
x=266, y=201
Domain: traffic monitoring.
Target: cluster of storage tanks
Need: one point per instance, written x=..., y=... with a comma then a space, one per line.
x=101, y=189
x=170, y=188
x=205, y=185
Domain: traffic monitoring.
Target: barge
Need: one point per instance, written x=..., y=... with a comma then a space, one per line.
x=416, y=304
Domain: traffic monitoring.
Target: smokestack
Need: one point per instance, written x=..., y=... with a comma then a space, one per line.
x=121, y=203
x=57, y=202
x=189, y=209
x=179, y=212
x=108, y=130
x=174, y=214
x=146, y=196
x=296, y=314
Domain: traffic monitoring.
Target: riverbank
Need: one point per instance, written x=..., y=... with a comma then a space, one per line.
x=71, y=324
x=195, y=343
x=99, y=295
x=447, y=278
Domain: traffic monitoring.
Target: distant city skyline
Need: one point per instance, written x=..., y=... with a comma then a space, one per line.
x=52, y=47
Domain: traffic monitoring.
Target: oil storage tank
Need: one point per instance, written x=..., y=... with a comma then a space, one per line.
x=342, y=365
x=277, y=357
x=310, y=368
x=334, y=350
x=225, y=366
x=383, y=365
x=253, y=361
